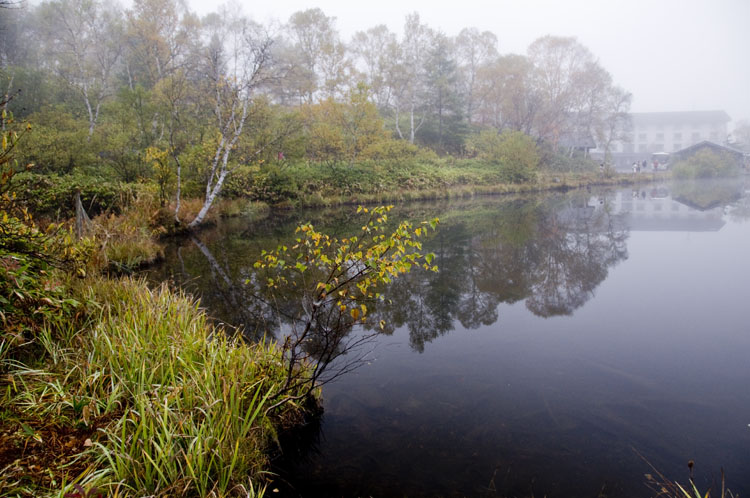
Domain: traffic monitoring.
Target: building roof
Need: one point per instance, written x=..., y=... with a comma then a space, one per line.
x=679, y=117
x=706, y=144
x=577, y=139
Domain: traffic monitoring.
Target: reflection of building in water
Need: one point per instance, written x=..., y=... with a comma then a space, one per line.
x=653, y=208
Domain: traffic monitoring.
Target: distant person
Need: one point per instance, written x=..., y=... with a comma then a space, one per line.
x=656, y=164
x=601, y=167
x=635, y=167
x=644, y=165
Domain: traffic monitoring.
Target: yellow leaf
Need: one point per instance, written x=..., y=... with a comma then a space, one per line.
x=355, y=313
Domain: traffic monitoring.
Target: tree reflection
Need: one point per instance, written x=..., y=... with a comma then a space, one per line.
x=576, y=245
x=551, y=253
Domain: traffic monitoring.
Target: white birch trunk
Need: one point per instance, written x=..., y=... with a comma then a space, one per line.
x=209, y=199
x=411, y=123
x=179, y=188
x=7, y=97
x=213, y=189
x=398, y=127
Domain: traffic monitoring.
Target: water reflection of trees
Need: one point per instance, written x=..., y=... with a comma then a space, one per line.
x=551, y=253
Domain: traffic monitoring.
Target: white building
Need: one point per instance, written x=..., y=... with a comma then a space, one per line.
x=669, y=132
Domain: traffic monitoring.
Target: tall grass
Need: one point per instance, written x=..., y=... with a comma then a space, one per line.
x=180, y=405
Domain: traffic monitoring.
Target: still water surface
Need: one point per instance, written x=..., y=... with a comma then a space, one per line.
x=567, y=339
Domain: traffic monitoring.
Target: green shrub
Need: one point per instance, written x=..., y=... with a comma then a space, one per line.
x=57, y=143
x=241, y=182
x=52, y=196
x=707, y=164
x=31, y=299
x=273, y=184
x=559, y=162
x=396, y=152
x=514, y=152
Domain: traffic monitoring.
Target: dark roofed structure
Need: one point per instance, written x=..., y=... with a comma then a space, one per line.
x=738, y=155
x=577, y=139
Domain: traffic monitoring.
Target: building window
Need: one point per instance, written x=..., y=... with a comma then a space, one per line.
x=628, y=148
x=696, y=136
x=677, y=146
x=660, y=136
x=714, y=135
x=642, y=148
x=642, y=137
x=658, y=147
x=678, y=136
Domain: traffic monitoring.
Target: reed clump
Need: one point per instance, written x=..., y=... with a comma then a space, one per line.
x=168, y=404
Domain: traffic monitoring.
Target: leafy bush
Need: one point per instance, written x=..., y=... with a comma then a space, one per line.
x=396, y=152
x=273, y=184
x=57, y=143
x=707, y=164
x=240, y=183
x=514, y=152
x=53, y=196
x=558, y=162
x=29, y=300
x=339, y=132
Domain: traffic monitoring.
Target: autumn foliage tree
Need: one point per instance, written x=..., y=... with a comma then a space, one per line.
x=338, y=278
x=339, y=132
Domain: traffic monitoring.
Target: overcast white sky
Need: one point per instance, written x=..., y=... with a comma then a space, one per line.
x=673, y=55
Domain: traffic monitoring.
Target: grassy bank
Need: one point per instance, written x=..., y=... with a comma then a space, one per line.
x=286, y=185
x=251, y=189
x=134, y=393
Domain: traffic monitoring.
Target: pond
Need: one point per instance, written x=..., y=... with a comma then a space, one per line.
x=569, y=345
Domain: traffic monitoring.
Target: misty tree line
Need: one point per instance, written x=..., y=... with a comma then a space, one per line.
x=431, y=88
x=157, y=84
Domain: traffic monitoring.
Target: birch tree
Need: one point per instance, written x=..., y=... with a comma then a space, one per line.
x=176, y=99
x=617, y=123
x=410, y=95
x=589, y=110
x=82, y=37
x=474, y=50
x=323, y=61
x=237, y=60
x=372, y=50
x=158, y=34
x=505, y=96
x=558, y=62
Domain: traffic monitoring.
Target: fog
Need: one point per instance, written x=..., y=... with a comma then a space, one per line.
x=673, y=55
